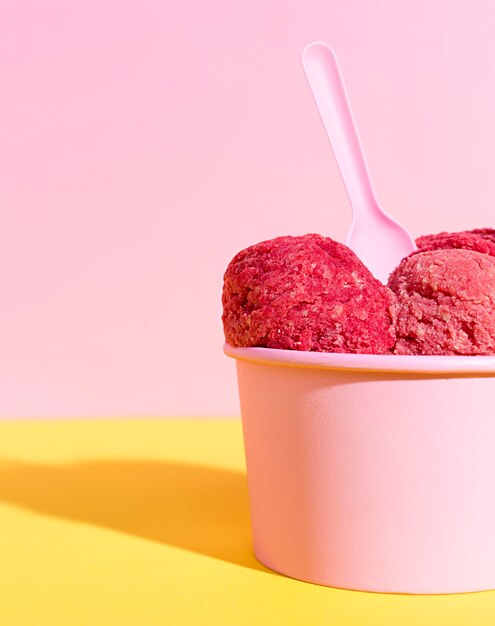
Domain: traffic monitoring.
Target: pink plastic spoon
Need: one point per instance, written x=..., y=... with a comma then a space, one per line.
x=378, y=240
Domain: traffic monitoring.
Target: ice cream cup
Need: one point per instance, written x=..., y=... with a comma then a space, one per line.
x=371, y=472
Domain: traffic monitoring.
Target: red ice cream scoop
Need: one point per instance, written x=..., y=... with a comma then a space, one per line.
x=446, y=303
x=306, y=293
x=479, y=240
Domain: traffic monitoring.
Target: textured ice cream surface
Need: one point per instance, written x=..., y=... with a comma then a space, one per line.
x=487, y=233
x=306, y=293
x=479, y=240
x=446, y=303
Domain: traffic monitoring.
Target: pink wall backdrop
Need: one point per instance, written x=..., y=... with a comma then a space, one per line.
x=143, y=143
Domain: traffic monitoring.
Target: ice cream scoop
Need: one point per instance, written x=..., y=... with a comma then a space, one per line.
x=479, y=240
x=306, y=293
x=377, y=239
x=446, y=303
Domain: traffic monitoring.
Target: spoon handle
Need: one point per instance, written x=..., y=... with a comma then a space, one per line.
x=327, y=86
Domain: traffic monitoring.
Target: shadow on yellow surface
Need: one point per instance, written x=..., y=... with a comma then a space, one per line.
x=204, y=509
x=198, y=508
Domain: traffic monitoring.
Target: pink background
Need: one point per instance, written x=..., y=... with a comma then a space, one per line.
x=143, y=144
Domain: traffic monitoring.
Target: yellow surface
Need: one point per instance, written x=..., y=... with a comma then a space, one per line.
x=146, y=522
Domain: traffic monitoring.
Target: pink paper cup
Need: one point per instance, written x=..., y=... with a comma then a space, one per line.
x=371, y=472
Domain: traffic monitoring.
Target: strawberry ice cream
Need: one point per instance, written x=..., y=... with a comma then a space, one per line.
x=446, y=303
x=306, y=293
x=479, y=240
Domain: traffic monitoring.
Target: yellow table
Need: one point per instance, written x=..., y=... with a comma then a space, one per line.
x=146, y=522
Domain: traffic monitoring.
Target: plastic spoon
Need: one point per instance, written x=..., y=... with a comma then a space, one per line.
x=378, y=240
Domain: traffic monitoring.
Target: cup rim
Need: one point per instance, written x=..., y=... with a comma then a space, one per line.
x=427, y=364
